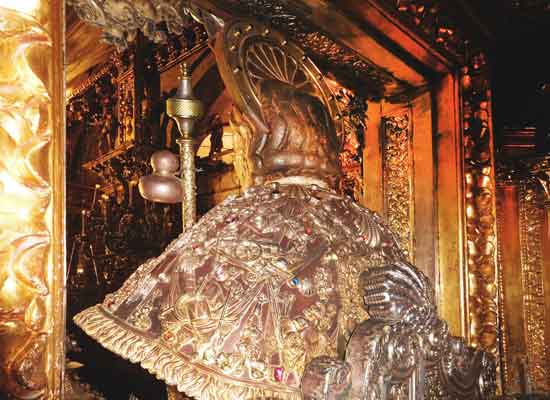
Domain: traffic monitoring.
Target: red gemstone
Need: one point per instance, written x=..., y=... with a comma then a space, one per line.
x=278, y=374
x=308, y=230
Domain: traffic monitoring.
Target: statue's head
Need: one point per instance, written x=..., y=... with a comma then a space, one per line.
x=283, y=117
x=300, y=138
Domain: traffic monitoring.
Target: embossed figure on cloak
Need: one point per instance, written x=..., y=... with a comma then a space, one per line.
x=288, y=291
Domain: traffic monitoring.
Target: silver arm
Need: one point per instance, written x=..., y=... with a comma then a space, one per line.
x=404, y=350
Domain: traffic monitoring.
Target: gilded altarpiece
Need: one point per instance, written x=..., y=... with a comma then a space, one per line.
x=456, y=247
x=474, y=263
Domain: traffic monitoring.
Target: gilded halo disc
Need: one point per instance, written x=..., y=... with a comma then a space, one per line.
x=250, y=52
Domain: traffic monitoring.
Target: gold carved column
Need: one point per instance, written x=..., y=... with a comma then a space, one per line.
x=32, y=192
x=480, y=278
x=524, y=259
x=532, y=222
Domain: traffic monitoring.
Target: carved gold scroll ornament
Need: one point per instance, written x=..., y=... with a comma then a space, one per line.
x=31, y=199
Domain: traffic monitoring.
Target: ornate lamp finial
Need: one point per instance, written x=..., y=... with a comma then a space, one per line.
x=184, y=107
x=162, y=186
x=184, y=71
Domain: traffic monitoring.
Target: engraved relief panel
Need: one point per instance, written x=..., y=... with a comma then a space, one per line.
x=531, y=214
x=397, y=164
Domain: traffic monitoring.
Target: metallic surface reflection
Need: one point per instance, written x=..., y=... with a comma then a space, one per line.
x=31, y=198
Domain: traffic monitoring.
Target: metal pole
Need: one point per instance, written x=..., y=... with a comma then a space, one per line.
x=186, y=109
x=187, y=160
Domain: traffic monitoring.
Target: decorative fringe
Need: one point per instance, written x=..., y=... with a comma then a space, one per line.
x=194, y=380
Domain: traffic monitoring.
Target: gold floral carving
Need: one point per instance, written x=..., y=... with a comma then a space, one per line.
x=432, y=21
x=398, y=189
x=531, y=232
x=480, y=207
x=32, y=212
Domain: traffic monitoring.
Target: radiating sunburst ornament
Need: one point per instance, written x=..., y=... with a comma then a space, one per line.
x=252, y=54
x=265, y=61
